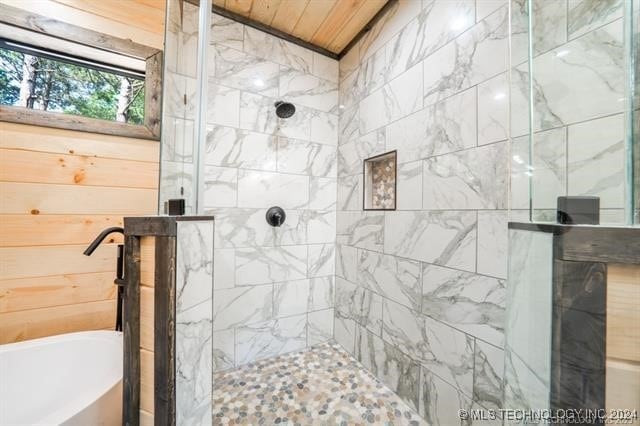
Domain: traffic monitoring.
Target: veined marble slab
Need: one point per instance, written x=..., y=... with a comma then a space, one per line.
x=194, y=322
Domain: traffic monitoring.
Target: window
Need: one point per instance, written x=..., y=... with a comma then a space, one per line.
x=60, y=75
x=50, y=81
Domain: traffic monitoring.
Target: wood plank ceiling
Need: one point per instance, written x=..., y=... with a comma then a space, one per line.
x=329, y=24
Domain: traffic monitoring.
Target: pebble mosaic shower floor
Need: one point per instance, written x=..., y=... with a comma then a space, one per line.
x=320, y=386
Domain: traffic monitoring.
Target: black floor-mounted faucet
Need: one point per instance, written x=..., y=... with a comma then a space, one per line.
x=119, y=281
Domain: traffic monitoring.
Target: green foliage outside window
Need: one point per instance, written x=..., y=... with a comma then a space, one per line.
x=50, y=85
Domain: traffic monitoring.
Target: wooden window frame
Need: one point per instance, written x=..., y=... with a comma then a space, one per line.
x=153, y=79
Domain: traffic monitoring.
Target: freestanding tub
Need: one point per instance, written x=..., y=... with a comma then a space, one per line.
x=70, y=379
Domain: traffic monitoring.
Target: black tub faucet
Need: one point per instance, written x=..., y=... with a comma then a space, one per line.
x=119, y=281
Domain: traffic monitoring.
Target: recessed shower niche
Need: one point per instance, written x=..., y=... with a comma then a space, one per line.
x=380, y=182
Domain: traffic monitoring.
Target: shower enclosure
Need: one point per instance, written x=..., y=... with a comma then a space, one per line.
x=251, y=121
x=574, y=128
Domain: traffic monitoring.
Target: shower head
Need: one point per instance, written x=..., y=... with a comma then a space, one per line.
x=285, y=109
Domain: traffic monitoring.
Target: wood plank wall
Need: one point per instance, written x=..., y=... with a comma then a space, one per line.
x=139, y=20
x=147, y=286
x=623, y=338
x=58, y=190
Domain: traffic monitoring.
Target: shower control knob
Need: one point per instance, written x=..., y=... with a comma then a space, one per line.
x=276, y=216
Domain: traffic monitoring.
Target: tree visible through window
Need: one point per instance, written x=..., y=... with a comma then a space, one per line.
x=38, y=82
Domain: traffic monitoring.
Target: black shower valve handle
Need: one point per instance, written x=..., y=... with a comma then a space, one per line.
x=276, y=216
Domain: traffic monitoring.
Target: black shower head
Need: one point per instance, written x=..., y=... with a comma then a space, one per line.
x=285, y=109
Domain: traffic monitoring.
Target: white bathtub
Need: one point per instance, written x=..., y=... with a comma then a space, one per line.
x=71, y=379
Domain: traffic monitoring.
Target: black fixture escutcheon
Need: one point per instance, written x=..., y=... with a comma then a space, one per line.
x=276, y=216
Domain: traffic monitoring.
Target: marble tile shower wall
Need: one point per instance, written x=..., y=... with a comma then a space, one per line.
x=420, y=291
x=578, y=100
x=274, y=287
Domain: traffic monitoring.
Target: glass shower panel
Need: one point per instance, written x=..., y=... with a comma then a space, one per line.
x=570, y=102
x=182, y=102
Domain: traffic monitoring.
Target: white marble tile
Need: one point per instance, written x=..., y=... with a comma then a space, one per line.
x=528, y=324
x=260, y=265
x=547, y=171
x=361, y=229
x=176, y=181
x=438, y=347
x=194, y=365
x=596, y=157
x=177, y=139
x=321, y=260
x=470, y=179
x=578, y=81
x=194, y=264
x=174, y=89
x=359, y=304
x=258, y=113
x=391, y=277
x=266, y=189
x=322, y=193
x=348, y=124
x=350, y=192
x=436, y=24
x=223, y=105
x=370, y=76
x=441, y=128
x=347, y=262
x=439, y=401
x=234, y=68
x=325, y=67
x=475, y=56
x=248, y=228
x=395, y=369
x=409, y=186
x=319, y=327
x=393, y=21
x=524, y=387
x=237, y=306
x=396, y=99
x=224, y=268
x=264, y=45
x=307, y=158
x=324, y=128
x=493, y=110
x=232, y=147
x=493, y=240
x=486, y=7
x=549, y=25
x=224, y=351
x=469, y=302
x=587, y=15
x=220, y=186
x=305, y=89
x=226, y=32
x=344, y=330
x=187, y=42
x=321, y=226
x=443, y=238
x=321, y=294
x=352, y=154
x=349, y=62
x=488, y=374
x=290, y=298
x=244, y=228
x=270, y=338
